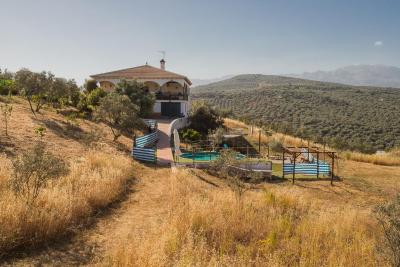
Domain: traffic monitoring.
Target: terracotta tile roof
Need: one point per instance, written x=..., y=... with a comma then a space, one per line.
x=141, y=72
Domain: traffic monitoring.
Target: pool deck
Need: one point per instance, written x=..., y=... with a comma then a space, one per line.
x=164, y=152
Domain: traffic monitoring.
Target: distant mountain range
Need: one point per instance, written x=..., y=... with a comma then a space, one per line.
x=244, y=82
x=364, y=75
x=198, y=82
x=369, y=75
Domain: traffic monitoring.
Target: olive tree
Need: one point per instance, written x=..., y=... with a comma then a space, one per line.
x=90, y=85
x=32, y=170
x=6, y=86
x=217, y=136
x=34, y=87
x=6, y=83
x=62, y=92
x=44, y=88
x=139, y=95
x=120, y=114
x=223, y=167
x=204, y=118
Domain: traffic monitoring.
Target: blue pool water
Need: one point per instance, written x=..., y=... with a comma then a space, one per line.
x=205, y=156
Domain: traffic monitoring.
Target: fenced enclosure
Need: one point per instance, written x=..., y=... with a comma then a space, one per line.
x=207, y=150
x=144, y=147
x=309, y=161
x=203, y=153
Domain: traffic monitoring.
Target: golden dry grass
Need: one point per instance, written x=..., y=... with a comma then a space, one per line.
x=95, y=180
x=389, y=159
x=286, y=139
x=208, y=226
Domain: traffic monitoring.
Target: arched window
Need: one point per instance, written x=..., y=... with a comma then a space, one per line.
x=153, y=86
x=107, y=85
x=172, y=87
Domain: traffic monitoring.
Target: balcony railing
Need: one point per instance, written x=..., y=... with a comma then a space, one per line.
x=165, y=96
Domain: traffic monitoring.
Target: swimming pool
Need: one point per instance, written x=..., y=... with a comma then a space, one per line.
x=205, y=156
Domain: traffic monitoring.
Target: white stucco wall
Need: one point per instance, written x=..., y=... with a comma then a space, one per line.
x=177, y=124
x=184, y=110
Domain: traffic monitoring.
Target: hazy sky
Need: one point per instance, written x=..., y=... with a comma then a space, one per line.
x=202, y=39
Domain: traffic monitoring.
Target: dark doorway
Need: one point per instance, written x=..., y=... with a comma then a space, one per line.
x=171, y=109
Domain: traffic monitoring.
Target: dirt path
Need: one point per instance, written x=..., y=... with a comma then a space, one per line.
x=142, y=211
x=164, y=153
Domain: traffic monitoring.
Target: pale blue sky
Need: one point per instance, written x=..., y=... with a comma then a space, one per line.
x=203, y=39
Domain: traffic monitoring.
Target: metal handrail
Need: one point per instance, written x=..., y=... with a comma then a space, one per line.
x=172, y=96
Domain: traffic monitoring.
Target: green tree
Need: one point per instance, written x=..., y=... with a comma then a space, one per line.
x=62, y=92
x=6, y=86
x=191, y=135
x=139, y=95
x=94, y=97
x=82, y=104
x=34, y=87
x=7, y=83
x=120, y=114
x=217, y=136
x=204, y=118
x=90, y=85
x=45, y=82
x=88, y=101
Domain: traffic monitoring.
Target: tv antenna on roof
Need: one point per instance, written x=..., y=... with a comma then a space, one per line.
x=162, y=52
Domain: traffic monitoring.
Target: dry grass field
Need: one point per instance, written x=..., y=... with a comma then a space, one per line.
x=182, y=217
x=207, y=224
x=99, y=174
x=95, y=181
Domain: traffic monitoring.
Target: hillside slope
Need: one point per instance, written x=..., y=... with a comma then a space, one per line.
x=348, y=117
x=173, y=217
x=65, y=137
x=97, y=175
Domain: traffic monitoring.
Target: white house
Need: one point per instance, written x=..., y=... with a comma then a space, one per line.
x=171, y=90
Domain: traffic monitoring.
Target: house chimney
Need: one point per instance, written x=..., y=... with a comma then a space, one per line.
x=162, y=64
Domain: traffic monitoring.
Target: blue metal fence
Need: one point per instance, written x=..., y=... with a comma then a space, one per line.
x=145, y=154
x=146, y=140
x=307, y=168
x=144, y=148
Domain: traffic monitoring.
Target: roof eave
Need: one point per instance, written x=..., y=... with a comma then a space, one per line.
x=99, y=77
